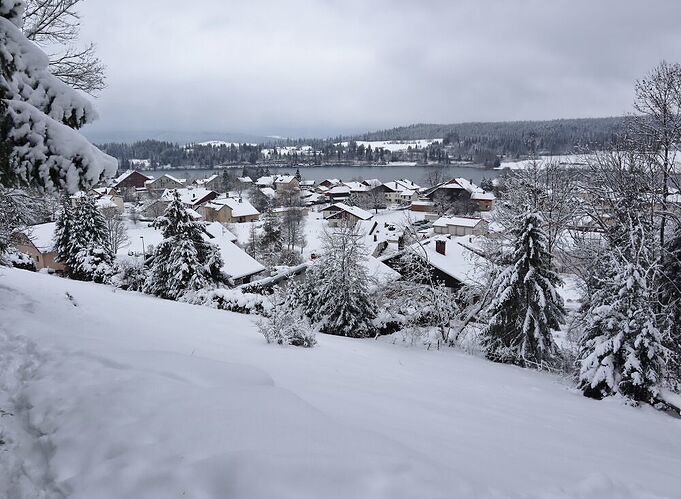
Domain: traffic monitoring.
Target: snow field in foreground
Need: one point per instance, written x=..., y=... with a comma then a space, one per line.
x=113, y=394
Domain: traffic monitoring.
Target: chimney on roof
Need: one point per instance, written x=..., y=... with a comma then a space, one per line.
x=240, y=200
x=440, y=246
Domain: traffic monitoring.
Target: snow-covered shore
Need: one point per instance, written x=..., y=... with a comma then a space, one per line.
x=111, y=394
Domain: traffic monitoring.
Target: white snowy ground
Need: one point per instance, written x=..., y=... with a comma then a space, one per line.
x=109, y=394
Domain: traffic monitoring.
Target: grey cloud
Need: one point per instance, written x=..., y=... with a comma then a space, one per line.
x=327, y=66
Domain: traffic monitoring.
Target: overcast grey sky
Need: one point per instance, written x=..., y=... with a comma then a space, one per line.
x=321, y=67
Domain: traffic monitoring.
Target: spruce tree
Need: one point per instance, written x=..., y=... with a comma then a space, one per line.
x=621, y=350
x=526, y=306
x=336, y=294
x=184, y=261
x=39, y=115
x=88, y=259
x=62, y=231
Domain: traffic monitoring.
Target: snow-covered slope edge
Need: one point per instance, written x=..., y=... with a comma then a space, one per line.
x=113, y=394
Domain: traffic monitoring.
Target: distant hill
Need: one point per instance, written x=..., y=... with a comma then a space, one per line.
x=177, y=137
x=511, y=137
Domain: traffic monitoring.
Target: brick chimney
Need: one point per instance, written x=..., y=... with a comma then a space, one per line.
x=440, y=246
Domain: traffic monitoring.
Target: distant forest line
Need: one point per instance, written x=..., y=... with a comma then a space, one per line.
x=483, y=143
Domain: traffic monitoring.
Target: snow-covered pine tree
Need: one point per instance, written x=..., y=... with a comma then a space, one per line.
x=62, y=231
x=621, y=350
x=342, y=303
x=184, y=261
x=526, y=306
x=88, y=257
x=38, y=117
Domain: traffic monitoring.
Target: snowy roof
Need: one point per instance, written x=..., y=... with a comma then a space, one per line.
x=202, y=181
x=380, y=271
x=105, y=202
x=42, y=236
x=269, y=192
x=188, y=195
x=237, y=263
x=353, y=210
x=402, y=185
x=174, y=179
x=284, y=179
x=483, y=196
x=267, y=180
x=307, y=183
x=103, y=190
x=458, y=261
x=457, y=221
x=339, y=189
x=422, y=202
x=245, y=180
x=126, y=174
x=216, y=229
x=240, y=207
x=356, y=186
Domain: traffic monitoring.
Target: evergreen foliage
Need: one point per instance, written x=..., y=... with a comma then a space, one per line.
x=335, y=294
x=621, y=350
x=526, y=306
x=80, y=240
x=184, y=261
x=38, y=117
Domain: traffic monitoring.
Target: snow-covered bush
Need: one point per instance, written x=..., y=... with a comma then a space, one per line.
x=17, y=259
x=287, y=325
x=94, y=263
x=233, y=300
x=128, y=273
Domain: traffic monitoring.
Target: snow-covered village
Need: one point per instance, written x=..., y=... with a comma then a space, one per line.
x=216, y=281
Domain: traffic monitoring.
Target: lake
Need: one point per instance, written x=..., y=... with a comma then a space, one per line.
x=417, y=173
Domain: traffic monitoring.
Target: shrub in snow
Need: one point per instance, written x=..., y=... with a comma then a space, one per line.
x=621, y=351
x=38, y=118
x=287, y=325
x=183, y=262
x=417, y=303
x=18, y=260
x=526, y=306
x=93, y=264
x=128, y=273
x=233, y=300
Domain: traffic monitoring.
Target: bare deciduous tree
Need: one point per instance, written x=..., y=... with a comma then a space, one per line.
x=116, y=232
x=55, y=26
x=656, y=129
x=292, y=226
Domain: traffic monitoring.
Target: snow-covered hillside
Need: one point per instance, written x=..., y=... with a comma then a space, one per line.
x=108, y=394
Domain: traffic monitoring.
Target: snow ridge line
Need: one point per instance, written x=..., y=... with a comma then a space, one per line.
x=25, y=449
